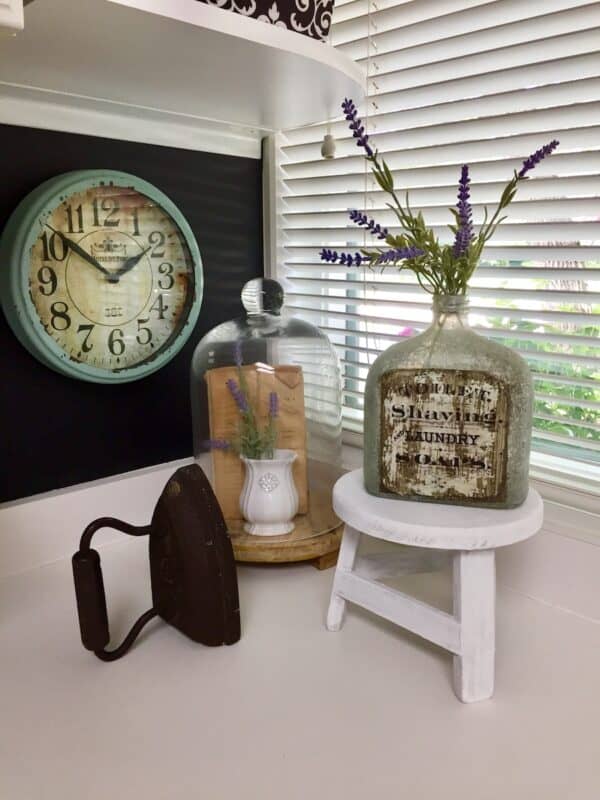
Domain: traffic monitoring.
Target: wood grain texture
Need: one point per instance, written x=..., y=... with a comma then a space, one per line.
x=259, y=549
x=327, y=560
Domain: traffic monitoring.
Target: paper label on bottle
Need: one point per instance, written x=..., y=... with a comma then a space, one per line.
x=443, y=434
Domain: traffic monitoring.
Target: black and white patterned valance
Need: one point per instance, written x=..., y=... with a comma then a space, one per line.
x=310, y=17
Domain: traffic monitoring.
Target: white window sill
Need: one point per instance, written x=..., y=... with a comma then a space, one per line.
x=40, y=529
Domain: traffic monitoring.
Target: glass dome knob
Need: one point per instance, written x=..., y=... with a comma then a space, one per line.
x=262, y=296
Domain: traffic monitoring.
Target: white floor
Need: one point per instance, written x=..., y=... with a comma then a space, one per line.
x=291, y=711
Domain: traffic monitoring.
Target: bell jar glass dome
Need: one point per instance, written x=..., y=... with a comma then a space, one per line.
x=278, y=353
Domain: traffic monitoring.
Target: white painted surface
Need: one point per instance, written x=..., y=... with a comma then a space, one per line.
x=469, y=632
x=474, y=592
x=401, y=609
x=179, y=57
x=40, y=108
x=11, y=16
x=557, y=570
x=433, y=524
x=345, y=565
x=568, y=482
x=291, y=711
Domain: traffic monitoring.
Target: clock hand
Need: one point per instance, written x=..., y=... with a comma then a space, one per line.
x=79, y=250
x=128, y=265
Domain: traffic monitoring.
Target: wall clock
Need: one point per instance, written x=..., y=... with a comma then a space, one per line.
x=100, y=276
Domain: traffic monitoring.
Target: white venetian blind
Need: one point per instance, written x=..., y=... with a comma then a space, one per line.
x=453, y=82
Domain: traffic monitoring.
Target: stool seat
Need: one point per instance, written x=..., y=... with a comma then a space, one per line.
x=435, y=525
x=435, y=533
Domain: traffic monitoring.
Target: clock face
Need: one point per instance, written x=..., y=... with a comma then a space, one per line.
x=100, y=276
x=111, y=277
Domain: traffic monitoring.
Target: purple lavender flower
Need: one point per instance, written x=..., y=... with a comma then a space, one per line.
x=534, y=159
x=398, y=254
x=238, y=396
x=347, y=259
x=273, y=405
x=216, y=444
x=373, y=227
x=464, y=231
x=355, y=260
x=237, y=353
x=356, y=126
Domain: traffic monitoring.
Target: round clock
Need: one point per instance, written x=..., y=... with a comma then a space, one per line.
x=100, y=275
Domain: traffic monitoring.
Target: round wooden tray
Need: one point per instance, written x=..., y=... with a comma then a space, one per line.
x=316, y=534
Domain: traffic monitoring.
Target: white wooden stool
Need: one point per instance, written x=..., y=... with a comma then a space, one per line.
x=436, y=532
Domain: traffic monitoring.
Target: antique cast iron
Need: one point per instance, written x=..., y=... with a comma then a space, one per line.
x=192, y=570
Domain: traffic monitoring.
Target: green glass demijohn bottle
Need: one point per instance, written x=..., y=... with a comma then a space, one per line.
x=448, y=413
x=448, y=416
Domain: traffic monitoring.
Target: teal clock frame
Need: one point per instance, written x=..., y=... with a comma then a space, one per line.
x=20, y=234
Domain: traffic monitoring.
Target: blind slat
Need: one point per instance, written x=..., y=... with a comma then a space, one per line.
x=453, y=82
x=311, y=178
x=509, y=148
x=424, y=30
x=584, y=444
x=538, y=123
x=338, y=274
x=535, y=189
x=488, y=64
x=566, y=317
x=493, y=40
x=529, y=355
x=507, y=232
x=561, y=253
x=547, y=296
x=536, y=98
x=567, y=340
x=518, y=211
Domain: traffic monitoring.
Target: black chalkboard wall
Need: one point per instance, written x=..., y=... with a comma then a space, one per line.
x=57, y=431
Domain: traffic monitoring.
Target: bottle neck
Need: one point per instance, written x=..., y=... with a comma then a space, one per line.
x=451, y=311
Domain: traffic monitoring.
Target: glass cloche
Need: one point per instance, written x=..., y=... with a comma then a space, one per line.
x=295, y=359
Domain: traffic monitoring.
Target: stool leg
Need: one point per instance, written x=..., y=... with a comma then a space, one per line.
x=346, y=559
x=475, y=610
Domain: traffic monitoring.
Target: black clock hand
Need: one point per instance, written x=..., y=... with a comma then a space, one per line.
x=79, y=250
x=128, y=265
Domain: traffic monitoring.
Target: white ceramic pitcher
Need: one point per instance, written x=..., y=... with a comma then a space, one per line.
x=269, y=500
